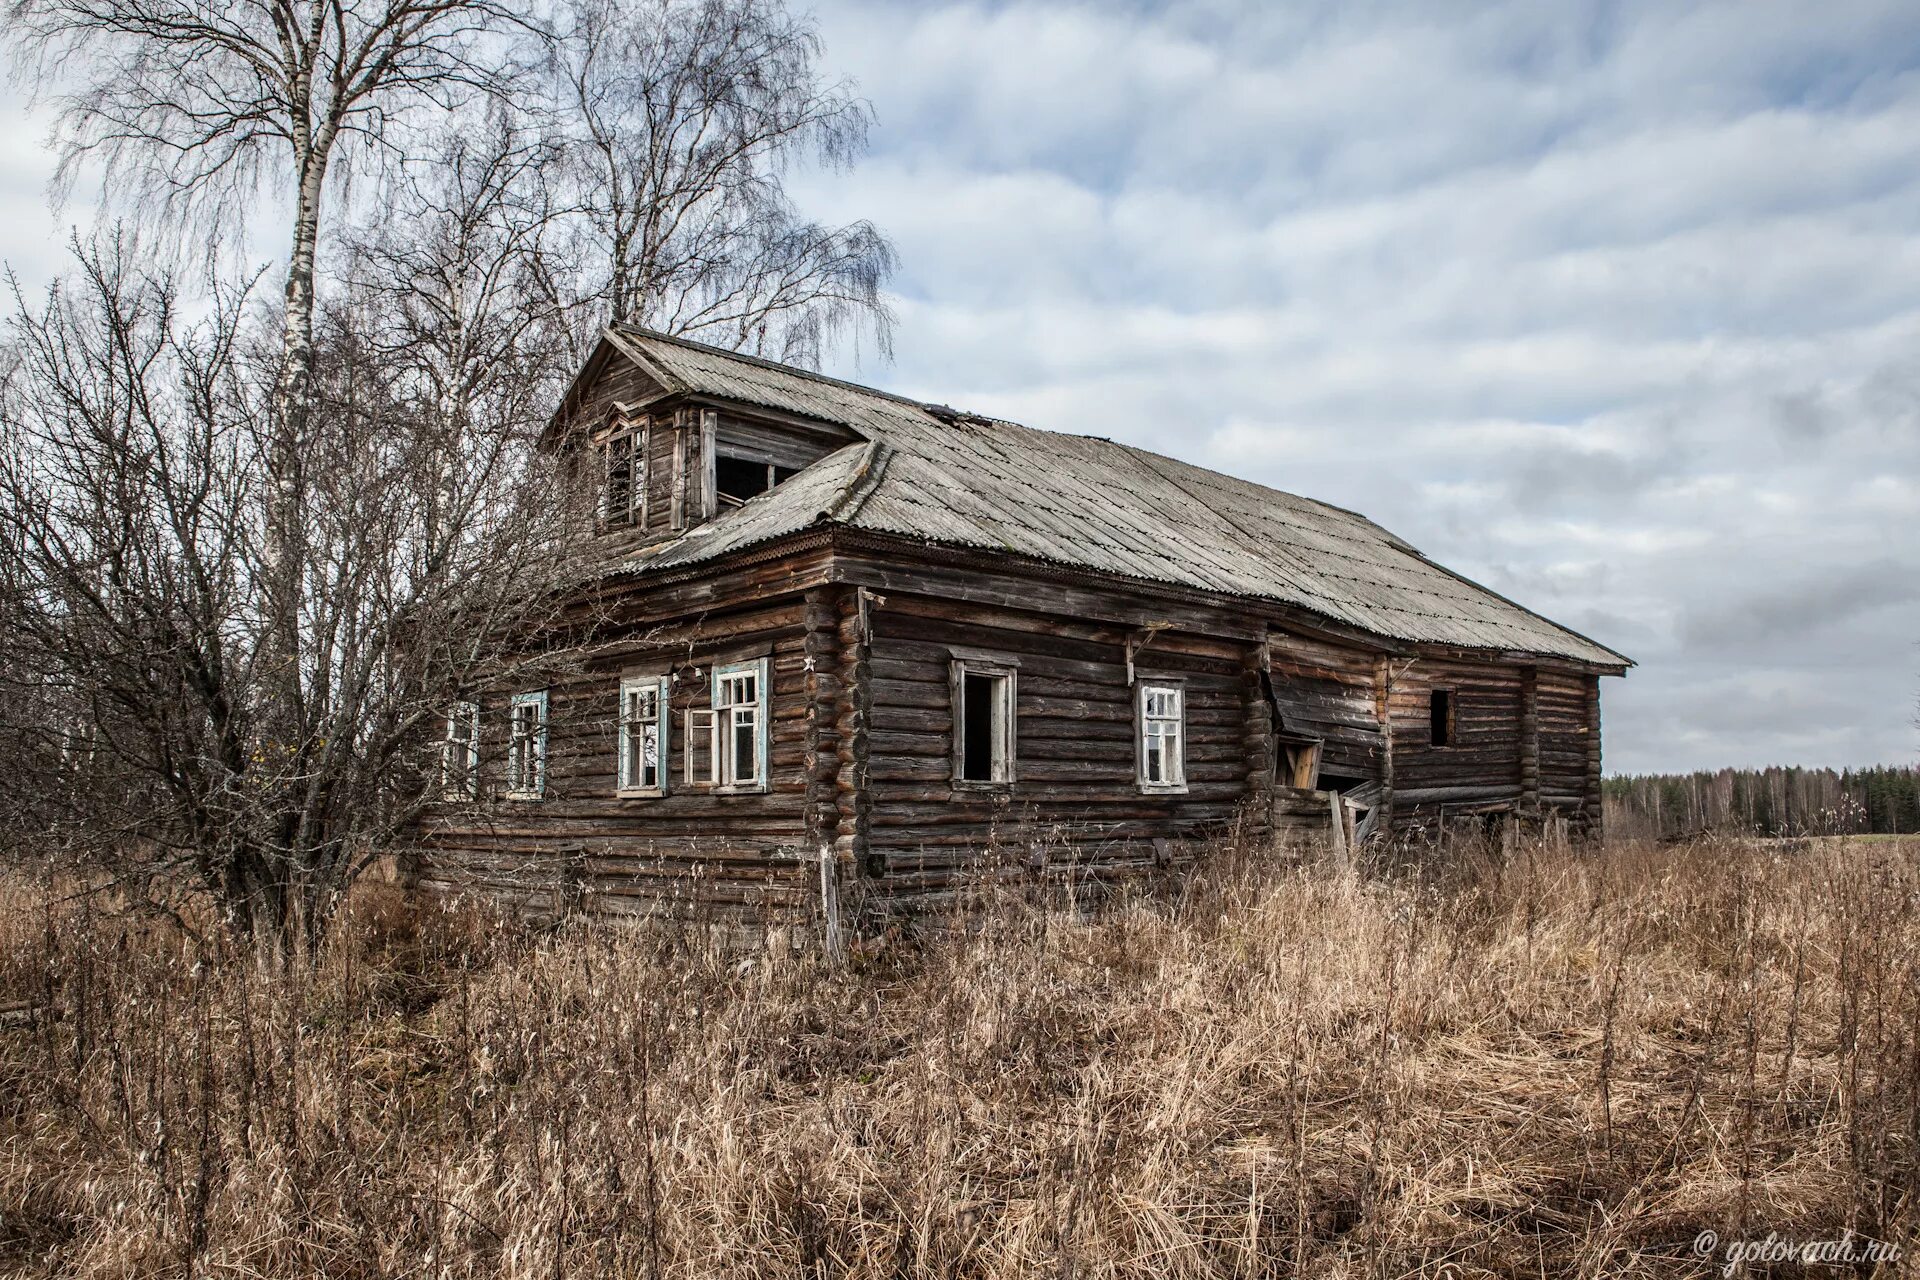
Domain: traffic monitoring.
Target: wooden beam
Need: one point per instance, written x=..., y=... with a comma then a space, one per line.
x=704, y=479
x=1530, y=739
x=1258, y=738
x=678, y=505
x=853, y=794
x=1591, y=799
x=1383, y=704
x=822, y=758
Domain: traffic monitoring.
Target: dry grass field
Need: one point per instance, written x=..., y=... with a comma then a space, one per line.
x=1538, y=1063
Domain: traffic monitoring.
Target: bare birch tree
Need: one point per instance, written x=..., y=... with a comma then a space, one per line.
x=191, y=107
x=679, y=119
x=132, y=500
x=245, y=566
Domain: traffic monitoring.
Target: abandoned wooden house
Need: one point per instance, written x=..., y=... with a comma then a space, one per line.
x=858, y=643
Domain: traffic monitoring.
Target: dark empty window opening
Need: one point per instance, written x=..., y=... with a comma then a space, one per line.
x=741, y=478
x=1441, y=713
x=978, y=699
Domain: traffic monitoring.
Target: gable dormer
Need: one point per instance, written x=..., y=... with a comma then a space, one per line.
x=664, y=453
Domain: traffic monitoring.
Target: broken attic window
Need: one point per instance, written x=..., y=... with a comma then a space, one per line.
x=741, y=478
x=621, y=486
x=738, y=479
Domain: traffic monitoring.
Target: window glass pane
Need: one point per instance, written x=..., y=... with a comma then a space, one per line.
x=736, y=690
x=700, y=747
x=745, y=739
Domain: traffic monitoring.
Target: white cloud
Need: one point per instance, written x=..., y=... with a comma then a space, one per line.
x=1612, y=306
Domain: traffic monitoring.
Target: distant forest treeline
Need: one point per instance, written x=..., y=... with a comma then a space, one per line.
x=1777, y=801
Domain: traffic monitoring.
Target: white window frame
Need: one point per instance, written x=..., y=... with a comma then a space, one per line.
x=702, y=763
x=625, y=782
x=518, y=745
x=1149, y=724
x=460, y=780
x=1005, y=752
x=721, y=719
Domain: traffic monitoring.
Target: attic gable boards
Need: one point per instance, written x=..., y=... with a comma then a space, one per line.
x=610, y=377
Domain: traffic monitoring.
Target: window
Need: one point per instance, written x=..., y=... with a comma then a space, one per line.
x=1440, y=717
x=702, y=765
x=643, y=745
x=527, y=746
x=460, y=752
x=983, y=722
x=740, y=724
x=623, y=494
x=1163, y=737
x=738, y=479
x=727, y=743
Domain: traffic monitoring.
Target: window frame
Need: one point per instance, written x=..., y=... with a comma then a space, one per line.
x=695, y=721
x=634, y=434
x=661, y=687
x=465, y=785
x=537, y=741
x=725, y=722
x=1144, y=689
x=1004, y=758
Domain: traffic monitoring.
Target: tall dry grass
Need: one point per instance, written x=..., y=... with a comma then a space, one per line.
x=1530, y=1063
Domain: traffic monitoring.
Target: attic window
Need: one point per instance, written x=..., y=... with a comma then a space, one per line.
x=738, y=479
x=1440, y=717
x=624, y=477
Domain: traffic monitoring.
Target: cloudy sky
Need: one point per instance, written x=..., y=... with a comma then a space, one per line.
x=1612, y=306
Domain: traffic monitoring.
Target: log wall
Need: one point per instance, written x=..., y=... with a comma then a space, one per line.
x=1481, y=765
x=1326, y=690
x=1075, y=799
x=861, y=759
x=692, y=850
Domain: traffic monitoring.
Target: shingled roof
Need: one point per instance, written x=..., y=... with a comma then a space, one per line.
x=959, y=480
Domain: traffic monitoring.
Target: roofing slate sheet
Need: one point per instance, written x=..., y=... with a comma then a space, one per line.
x=1091, y=504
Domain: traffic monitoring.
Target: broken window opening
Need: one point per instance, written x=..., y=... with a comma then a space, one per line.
x=737, y=480
x=624, y=478
x=700, y=754
x=1440, y=717
x=527, y=746
x=983, y=724
x=460, y=752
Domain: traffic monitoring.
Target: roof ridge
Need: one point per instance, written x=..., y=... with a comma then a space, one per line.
x=634, y=330
x=929, y=407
